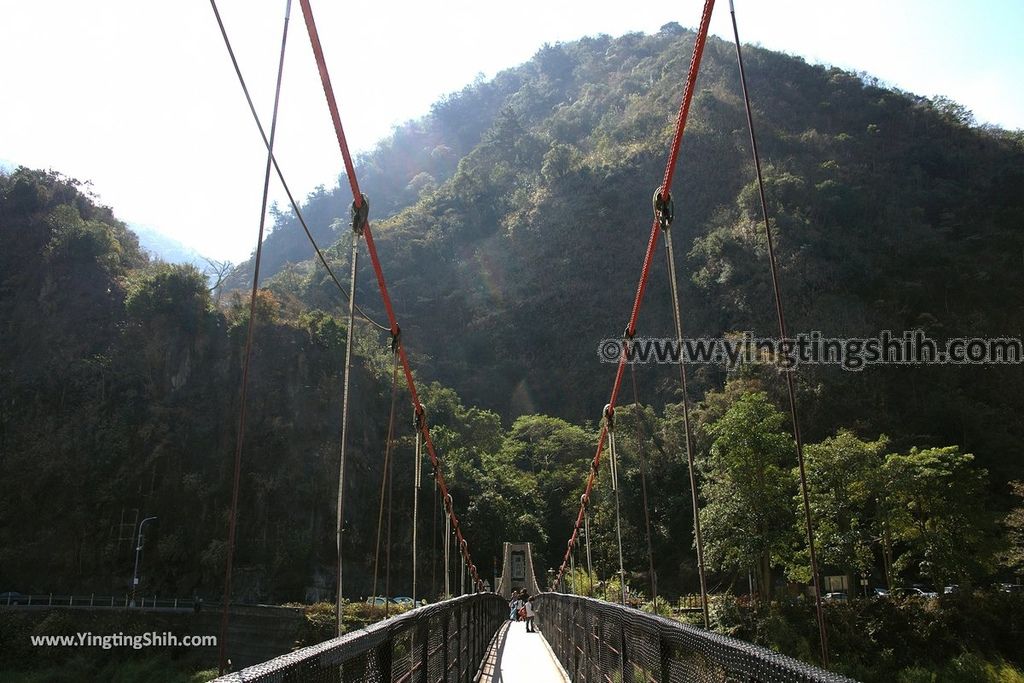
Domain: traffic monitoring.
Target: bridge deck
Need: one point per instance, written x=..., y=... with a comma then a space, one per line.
x=516, y=656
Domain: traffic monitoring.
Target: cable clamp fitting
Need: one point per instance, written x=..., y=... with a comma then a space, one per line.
x=396, y=338
x=664, y=208
x=360, y=214
x=627, y=338
x=609, y=415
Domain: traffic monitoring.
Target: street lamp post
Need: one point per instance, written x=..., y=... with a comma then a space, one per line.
x=138, y=549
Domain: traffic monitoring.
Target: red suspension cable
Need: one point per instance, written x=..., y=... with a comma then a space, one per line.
x=684, y=107
x=332, y=103
x=358, y=201
x=664, y=191
x=670, y=165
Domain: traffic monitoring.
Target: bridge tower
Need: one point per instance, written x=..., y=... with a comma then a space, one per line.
x=517, y=571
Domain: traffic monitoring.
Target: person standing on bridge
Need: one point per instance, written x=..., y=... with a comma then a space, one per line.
x=529, y=615
x=513, y=607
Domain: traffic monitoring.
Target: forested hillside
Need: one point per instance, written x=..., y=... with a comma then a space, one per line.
x=119, y=393
x=893, y=212
x=511, y=221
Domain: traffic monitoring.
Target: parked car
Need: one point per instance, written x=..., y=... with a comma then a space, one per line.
x=13, y=598
x=949, y=590
x=911, y=593
x=836, y=597
x=1010, y=587
x=380, y=601
x=881, y=592
x=404, y=601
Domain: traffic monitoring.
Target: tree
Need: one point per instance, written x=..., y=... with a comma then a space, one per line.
x=558, y=161
x=216, y=273
x=672, y=28
x=938, y=515
x=953, y=111
x=1013, y=557
x=843, y=481
x=747, y=517
x=553, y=454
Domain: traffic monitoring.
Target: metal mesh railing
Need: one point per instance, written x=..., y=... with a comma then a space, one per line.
x=444, y=642
x=607, y=643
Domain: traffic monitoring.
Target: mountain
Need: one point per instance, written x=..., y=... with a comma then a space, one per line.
x=892, y=212
x=511, y=221
x=118, y=392
x=166, y=248
x=119, y=376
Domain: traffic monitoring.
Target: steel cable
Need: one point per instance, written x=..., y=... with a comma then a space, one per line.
x=280, y=174
x=690, y=451
x=236, y=480
x=783, y=335
x=643, y=489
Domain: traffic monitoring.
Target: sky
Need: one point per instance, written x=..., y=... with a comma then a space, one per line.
x=139, y=96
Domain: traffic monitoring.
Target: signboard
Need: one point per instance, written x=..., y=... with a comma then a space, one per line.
x=518, y=565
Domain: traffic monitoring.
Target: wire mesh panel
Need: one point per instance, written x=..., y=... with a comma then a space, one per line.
x=601, y=642
x=439, y=643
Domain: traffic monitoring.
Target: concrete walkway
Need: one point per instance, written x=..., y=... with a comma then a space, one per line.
x=520, y=657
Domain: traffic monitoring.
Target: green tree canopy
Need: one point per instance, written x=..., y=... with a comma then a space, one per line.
x=938, y=511
x=747, y=516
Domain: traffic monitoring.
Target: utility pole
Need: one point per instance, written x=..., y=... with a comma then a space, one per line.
x=138, y=549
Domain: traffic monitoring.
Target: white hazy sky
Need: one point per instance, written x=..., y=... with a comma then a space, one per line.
x=139, y=96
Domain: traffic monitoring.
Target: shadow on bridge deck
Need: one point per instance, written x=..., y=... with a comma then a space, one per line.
x=516, y=656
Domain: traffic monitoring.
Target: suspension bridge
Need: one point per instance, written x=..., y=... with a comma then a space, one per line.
x=470, y=637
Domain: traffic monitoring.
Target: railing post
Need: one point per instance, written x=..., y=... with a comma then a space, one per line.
x=458, y=644
x=466, y=656
x=444, y=646
x=385, y=658
x=423, y=635
x=588, y=643
x=666, y=660
x=484, y=632
x=472, y=626
x=479, y=629
x=627, y=666
x=574, y=658
x=463, y=643
x=470, y=641
x=565, y=630
x=480, y=622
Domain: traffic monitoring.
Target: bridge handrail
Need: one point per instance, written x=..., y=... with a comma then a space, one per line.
x=368, y=654
x=587, y=636
x=99, y=601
